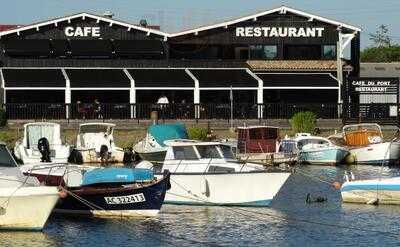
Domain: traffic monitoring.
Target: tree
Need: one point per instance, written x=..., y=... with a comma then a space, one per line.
x=381, y=37
x=381, y=54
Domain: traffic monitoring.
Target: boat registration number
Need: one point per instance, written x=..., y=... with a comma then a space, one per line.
x=125, y=199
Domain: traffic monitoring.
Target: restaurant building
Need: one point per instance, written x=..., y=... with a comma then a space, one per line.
x=265, y=65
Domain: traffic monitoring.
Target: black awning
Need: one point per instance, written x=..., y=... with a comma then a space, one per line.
x=128, y=48
x=27, y=47
x=298, y=80
x=97, y=78
x=225, y=78
x=33, y=78
x=59, y=47
x=168, y=78
x=91, y=48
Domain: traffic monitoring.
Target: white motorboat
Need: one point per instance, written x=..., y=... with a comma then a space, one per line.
x=24, y=203
x=41, y=143
x=152, y=147
x=365, y=142
x=371, y=191
x=314, y=150
x=206, y=173
x=95, y=143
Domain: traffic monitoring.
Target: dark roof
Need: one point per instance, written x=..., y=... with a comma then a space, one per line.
x=33, y=78
x=97, y=78
x=298, y=80
x=224, y=78
x=161, y=78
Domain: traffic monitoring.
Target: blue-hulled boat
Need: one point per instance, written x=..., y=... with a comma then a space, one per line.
x=152, y=147
x=106, y=192
x=315, y=150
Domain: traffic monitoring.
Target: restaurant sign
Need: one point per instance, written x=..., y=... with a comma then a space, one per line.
x=373, y=85
x=295, y=32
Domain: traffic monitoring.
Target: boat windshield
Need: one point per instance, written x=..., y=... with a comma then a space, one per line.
x=287, y=147
x=208, y=152
x=35, y=132
x=304, y=142
x=95, y=129
x=6, y=159
x=184, y=153
x=227, y=152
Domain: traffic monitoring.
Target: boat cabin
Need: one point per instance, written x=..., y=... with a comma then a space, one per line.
x=362, y=134
x=194, y=156
x=93, y=135
x=258, y=139
x=300, y=142
x=34, y=131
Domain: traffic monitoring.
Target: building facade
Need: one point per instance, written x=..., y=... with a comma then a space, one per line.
x=247, y=67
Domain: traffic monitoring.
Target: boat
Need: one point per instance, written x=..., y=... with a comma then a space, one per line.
x=315, y=150
x=104, y=191
x=257, y=143
x=365, y=142
x=371, y=191
x=95, y=144
x=41, y=143
x=207, y=173
x=152, y=147
x=24, y=203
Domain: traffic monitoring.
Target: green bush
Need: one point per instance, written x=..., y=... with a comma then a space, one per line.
x=197, y=133
x=303, y=122
x=3, y=117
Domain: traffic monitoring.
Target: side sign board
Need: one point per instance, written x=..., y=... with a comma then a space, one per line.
x=372, y=85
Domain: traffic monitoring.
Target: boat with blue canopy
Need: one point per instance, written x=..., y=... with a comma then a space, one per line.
x=153, y=147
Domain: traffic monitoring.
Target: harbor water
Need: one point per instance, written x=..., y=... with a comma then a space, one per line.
x=290, y=221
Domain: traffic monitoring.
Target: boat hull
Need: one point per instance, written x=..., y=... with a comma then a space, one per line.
x=234, y=189
x=28, y=208
x=387, y=153
x=123, y=201
x=324, y=156
x=385, y=191
x=28, y=156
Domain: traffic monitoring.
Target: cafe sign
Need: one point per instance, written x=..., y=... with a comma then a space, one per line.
x=82, y=31
x=270, y=32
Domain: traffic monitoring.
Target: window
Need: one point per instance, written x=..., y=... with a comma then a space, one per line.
x=185, y=153
x=263, y=52
x=329, y=51
x=302, y=52
x=6, y=159
x=208, y=152
x=256, y=134
x=227, y=152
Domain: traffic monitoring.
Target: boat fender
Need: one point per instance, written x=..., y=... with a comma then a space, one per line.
x=350, y=158
x=62, y=193
x=205, y=189
x=336, y=185
x=44, y=149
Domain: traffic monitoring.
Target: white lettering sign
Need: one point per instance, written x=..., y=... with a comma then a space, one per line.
x=135, y=198
x=82, y=31
x=371, y=86
x=280, y=32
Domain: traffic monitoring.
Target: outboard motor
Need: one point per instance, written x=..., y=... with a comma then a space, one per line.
x=104, y=155
x=44, y=149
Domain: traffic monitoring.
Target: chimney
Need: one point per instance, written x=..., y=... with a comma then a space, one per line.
x=108, y=14
x=143, y=23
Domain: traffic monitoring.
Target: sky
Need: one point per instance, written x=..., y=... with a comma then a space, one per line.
x=175, y=15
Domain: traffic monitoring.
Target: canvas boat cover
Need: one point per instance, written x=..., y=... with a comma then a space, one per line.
x=164, y=132
x=117, y=175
